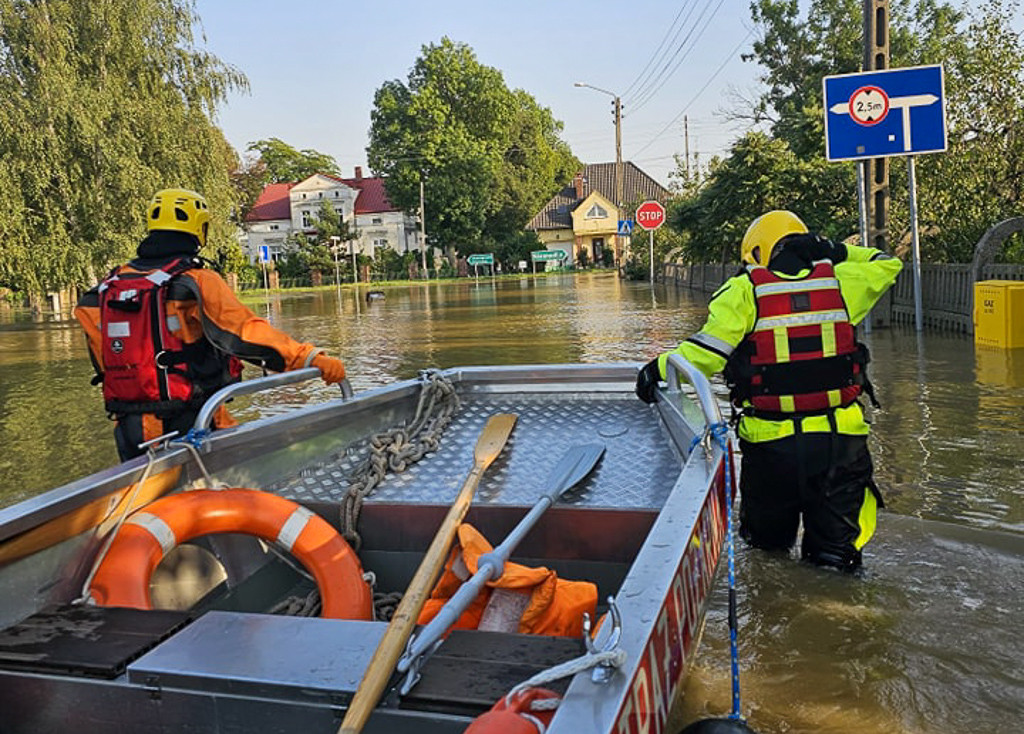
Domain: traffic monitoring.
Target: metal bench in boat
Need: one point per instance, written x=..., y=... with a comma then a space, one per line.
x=647, y=527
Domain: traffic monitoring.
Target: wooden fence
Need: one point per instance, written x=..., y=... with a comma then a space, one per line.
x=947, y=291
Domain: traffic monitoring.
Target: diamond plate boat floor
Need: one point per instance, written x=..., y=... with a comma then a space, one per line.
x=638, y=470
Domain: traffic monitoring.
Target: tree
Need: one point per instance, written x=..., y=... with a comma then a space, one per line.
x=282, y=163
x=489, y=157
x=762, y=173
x=314, y=252
x=104, y=102
x=960, y=193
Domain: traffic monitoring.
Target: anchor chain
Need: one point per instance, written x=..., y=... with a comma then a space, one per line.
x=398, y=448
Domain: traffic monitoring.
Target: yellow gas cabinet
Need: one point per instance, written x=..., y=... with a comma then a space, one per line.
x=999, y=313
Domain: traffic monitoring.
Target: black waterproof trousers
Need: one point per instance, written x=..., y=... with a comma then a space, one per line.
x=823, y=478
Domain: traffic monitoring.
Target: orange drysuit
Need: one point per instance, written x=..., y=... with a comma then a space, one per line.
x=205, y=314
x=552, y=606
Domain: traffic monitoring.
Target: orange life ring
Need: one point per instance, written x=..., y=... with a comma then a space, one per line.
x=122, y=580
x=519, y=716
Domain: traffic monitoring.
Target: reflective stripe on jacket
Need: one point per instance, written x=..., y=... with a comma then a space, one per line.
x=864, y=276
x=802, y=355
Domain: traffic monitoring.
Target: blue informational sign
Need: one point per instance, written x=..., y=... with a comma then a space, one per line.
x=876, y=114
x=264, y=253
x=626, y=226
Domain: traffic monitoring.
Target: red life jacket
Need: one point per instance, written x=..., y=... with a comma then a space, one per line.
x=802, y=355
x=146, y=367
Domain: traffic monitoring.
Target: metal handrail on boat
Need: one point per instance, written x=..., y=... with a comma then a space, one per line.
x=678, y=366
x=259, y=384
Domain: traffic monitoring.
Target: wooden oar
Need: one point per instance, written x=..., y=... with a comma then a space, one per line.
x=574, y=467
x=392, y=644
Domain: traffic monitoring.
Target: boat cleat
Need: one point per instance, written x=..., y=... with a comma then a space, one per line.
x=602, y=673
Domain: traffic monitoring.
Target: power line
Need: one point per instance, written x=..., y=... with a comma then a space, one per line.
x=657, y=53
x=648, y=95
x=699, y=92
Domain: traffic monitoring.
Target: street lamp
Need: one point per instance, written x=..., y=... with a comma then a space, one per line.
x=618, y=137
x=335, y=244
x=618, y=152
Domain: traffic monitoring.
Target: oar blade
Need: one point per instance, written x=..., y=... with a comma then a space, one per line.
x=493, y=438
x=573, y=468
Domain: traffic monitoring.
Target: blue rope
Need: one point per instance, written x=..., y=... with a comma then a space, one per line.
x=721, y=432
x=196, y=438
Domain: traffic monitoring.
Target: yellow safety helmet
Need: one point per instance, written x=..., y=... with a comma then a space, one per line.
x=180, y=210
x=765, y=232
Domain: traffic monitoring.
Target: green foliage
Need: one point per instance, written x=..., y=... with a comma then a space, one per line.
x=961, y=193
x=282, y=163
x=760, y=174
x=489, y=157
x=518, y=246
x=104, y=102
x=316, y=251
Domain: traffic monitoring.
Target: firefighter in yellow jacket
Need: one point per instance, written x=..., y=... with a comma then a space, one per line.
x=165, y=332
x=782, y=332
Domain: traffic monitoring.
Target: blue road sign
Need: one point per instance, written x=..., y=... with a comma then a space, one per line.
x=875, y=114
x=625, y=226
x=264, y=253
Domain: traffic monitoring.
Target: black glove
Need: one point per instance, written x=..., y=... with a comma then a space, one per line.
x=811, y=247
x=647, y=381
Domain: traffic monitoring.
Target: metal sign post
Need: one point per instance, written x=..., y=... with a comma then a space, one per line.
x=915, y=243
x=264, y=255
x=484, y=258
x=650, y=215
x=878, y=114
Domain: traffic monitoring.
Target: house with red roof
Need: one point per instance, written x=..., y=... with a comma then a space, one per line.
x=285, y=208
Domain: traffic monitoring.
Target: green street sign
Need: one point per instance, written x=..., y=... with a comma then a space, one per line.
x=481, y=259
x=547, y=255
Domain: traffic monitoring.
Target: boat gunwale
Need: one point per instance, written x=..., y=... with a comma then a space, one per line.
x=34, y=511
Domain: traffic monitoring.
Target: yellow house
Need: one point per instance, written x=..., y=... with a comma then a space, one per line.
x=582, y=219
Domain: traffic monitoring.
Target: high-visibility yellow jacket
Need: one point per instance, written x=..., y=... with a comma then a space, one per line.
x=864, y=276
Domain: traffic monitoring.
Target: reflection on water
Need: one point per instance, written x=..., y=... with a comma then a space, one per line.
x=927, y=641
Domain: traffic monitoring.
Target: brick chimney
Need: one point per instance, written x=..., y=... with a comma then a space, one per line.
x=359, y=173
x=578, y=181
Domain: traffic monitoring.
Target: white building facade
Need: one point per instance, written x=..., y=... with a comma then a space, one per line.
x=284, y=209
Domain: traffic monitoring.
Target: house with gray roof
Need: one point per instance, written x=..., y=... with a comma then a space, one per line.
x=582, y=219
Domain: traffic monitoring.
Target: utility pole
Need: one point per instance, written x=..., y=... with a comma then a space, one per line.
x=686, y=145
x=618, y=153
x=876, y=174
x=423, y=230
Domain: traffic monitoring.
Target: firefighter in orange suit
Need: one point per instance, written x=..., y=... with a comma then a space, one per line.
x=783, y=333
x=165, y=332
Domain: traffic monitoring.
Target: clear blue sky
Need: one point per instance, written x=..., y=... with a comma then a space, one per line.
x=314, y=66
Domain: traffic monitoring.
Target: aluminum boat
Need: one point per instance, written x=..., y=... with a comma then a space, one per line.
x=216, y=654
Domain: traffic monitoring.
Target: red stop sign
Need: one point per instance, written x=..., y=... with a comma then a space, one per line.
x=650, y=215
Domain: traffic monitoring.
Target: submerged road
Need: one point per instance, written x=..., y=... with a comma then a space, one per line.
x=928, y=640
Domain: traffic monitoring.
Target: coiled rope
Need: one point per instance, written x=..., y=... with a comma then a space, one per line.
x=395, y=450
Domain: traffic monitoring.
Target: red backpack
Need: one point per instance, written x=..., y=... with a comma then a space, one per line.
x=145, y=365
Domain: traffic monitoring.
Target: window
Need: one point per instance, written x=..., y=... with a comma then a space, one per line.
x=335, y=194
x=274, y=227
x=381, y=242
x=340, y=211
x=378, y=220
x=303, y=196
x=307, y=221
x=596, y=212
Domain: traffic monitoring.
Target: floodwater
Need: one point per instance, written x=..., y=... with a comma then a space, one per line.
x=927, y=640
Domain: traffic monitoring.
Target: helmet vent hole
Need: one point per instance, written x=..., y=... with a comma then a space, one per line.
x=156, y=213
x=180, y=214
